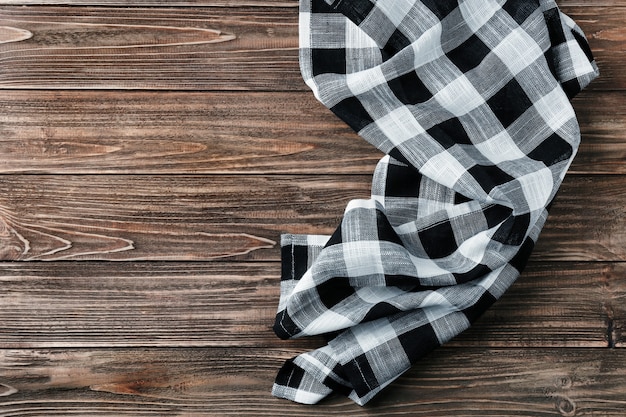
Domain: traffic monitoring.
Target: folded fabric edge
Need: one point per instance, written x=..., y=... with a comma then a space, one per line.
x=311, y=376
x=293, y=383
x=298, y=251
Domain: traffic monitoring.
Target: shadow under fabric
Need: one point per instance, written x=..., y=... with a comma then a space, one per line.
x=470, y=102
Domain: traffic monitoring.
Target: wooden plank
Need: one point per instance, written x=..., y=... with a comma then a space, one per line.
x=587, y=221
x=542, y=307
x=78, y=132
x=217, y=304
x=176, y=133
x=603, y=148
x=102, y=217
x=237, y=382
x=238, y=48
x=138, y=304
x=211, y=48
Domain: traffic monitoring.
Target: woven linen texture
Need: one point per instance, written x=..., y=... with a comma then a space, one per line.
x=470, y=103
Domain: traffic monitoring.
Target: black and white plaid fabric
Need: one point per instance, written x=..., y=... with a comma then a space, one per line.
x=469, y=100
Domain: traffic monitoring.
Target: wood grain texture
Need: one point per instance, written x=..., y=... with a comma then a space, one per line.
x=234, y=304
x=165, y=217
x=587, y=221
x=236, y=382
x=102, y=217
x=236, y=48
x=79, y=132
x=602, y=120
x=209, y=48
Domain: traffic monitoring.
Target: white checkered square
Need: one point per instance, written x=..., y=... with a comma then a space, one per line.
x=444, y=169
x=369, y=340
x=400, y=125
x=500, y=148
x=427, y=48
x=476, y=13
x=363, y=258
x=365, y=80
x=552, y=109
x=537, y=187
x=459, y=97
x=328, y=321
x=517, y=50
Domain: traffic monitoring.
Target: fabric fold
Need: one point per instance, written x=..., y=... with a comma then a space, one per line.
x=470, y=102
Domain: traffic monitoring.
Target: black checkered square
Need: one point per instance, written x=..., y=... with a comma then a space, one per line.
x=397, y=41
x=441, y=9
x=449, y=133
x=353, y=113
x=509, y=103
x=401, y=181
x=489, y=176
x=438, y=240
x=520, y=10
x=409, y=89
x=328, y=61
x=355, y=10
x=469, y=54
x=552, y=150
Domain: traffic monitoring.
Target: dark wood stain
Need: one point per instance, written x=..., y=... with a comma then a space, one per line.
x=177, y=139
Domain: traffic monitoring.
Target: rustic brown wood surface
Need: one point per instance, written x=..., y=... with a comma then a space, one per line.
x=178, y=139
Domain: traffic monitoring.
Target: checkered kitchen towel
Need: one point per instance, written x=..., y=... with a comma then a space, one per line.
x=469, y=100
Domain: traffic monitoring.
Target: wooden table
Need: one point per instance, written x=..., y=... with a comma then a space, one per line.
x=178, y=139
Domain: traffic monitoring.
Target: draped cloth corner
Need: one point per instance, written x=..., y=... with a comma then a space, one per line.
x=470, y=102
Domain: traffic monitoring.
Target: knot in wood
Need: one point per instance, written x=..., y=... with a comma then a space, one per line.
x=565, y=406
